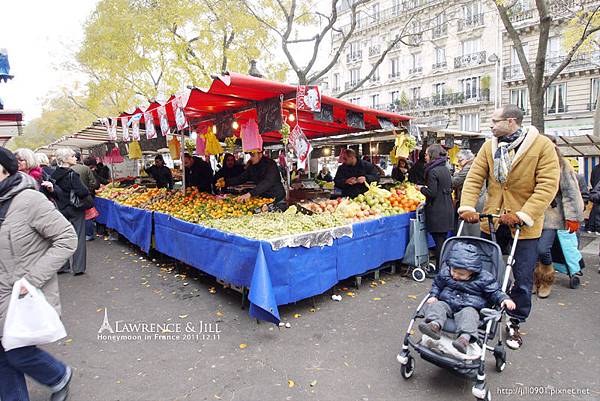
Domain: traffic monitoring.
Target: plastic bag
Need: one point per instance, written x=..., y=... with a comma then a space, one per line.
x=200, y=142
x=135, y=150
x=91, y=213
x=213, y=147
x=175, y=148
x=30, y=319
x=251, y=139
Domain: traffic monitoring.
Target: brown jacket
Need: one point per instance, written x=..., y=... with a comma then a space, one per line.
x=530, y=188
x=35, y=241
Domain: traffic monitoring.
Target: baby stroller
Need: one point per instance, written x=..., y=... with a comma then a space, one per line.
x=416, y=256
x=473, y=365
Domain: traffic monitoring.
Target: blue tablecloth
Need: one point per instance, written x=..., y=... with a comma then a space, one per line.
x=132, y=223
x=289, y=274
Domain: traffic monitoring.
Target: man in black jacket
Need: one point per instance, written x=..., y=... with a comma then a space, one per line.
x=198, y=173
x=264, y=172
x=161, y=173
x=353, y=174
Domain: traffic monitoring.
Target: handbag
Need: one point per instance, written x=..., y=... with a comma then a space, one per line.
x=79, y=203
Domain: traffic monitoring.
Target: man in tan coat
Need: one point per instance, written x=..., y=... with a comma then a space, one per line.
x=521, y=169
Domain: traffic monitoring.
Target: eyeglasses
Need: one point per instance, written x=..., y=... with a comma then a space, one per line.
x=494, y=120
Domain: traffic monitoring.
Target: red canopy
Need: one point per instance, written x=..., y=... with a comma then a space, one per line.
x=237, y=94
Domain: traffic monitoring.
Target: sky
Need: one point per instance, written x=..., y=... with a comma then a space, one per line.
x=39, y=36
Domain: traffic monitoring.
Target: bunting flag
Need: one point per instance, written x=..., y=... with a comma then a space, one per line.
x=125, y=127
x=177, y=105
x=300, y=144
x=112, y=130
x=106, y=123
x=136, y=117
x=308, y=98
x=164, y=121
x=135, y=128
x=150, y=130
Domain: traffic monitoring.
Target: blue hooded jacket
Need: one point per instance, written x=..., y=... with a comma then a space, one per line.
x=480, y=291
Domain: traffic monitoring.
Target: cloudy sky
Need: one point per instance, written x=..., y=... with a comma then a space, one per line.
x=39, y=36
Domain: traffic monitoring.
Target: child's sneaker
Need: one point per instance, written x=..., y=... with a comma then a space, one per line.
x=432, y=329
x=461, y=344
x=513, y=337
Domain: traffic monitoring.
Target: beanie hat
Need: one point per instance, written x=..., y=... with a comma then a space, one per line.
x=8, y=161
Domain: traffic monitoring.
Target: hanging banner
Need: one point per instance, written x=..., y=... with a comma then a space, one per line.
x=106, y=123
x=308, y=98
x=150, y=130
x=135, y=129
x=300, y=143
x=180, y=119
x=112, y=130
x=125, y=127
x=164, y=121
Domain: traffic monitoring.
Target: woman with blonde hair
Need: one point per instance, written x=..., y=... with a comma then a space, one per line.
x=29, y=165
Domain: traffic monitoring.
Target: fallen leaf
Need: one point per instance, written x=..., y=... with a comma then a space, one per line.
x=183, y=316
x=312, y=310
x=376, y=299
x=412, y=296
x=297, y=315
x=351, y=294
x=99, y=310
x=212, y=290
x=313, y=383
x=561, y=304
x=69, y=341
x=243, y=346
x=219, y=313
x=291, y=383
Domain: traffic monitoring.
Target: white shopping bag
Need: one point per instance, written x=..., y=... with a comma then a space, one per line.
x=30, y=319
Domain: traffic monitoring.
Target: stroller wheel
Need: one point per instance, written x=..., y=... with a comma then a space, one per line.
x=418, y=274
x=408, y=369
x=430, y=270
x=500, y=355
x=574, y=282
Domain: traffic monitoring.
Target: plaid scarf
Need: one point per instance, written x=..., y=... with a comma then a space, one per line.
x=505, y=154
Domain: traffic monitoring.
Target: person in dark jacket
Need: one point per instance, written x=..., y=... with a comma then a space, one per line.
x=103, y=171
x=264, y=173
x=161, y=173
x=401, y=171
x=353, y=174
x=417, y=172
x=93, y=165
x=67, y=180
x=198, y=173
x=324, y=175
x=593, y=225
x=460, y=290
x=230, y=168
x=439, y=213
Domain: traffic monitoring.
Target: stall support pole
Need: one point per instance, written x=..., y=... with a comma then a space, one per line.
x=181, y=152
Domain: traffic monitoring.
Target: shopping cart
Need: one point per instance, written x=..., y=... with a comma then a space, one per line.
x=416, y=256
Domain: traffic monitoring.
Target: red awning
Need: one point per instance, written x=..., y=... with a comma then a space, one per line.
x=236, y=94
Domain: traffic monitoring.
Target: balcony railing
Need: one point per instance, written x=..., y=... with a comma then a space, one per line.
x=469, y=23
x=470, y=60
x=581, y=62
x=439, y=66
x=374, y=51
x=446, y=100
x=557, y=109
x=394, y=75
x=374, y=78
x=415, y=70
x=350, y=84
x=439, y=31
x=354, y=57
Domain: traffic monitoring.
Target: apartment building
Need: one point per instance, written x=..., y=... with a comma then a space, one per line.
x=571, y=99
x=447, y=76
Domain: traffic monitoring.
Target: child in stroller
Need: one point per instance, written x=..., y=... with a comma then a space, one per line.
x=460, y=290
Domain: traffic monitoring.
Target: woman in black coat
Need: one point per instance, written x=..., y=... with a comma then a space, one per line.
x=439, y=214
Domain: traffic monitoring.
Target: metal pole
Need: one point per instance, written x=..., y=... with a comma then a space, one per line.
x=181, y=152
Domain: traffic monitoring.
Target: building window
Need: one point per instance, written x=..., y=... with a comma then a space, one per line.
x=375, y=101
x=396, y=7
x=354, y=76
x=472, y=11
x=440, y=57
x=336, y=81
x=416, y=66
x=439, y=89
x=375, y=11
x=556, y=98
x=415, y=93
x=375, y=76
x=470, y=87
x=519, y=97
x=354, y=49
x=355, y=100
x=470, y=46
x=395, y=97
x=395, y=67
x=594, y=93
x=553, y=50
x=469, y=122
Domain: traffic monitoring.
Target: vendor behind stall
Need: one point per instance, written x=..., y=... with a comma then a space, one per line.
x=230, y=168
x=198, y=173
x=324, y=175
x=353, y=174
x=264, y=173
x=160, y=173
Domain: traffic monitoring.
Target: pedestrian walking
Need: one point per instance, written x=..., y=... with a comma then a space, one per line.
x=67, y=182
x=522, y=173
x=439, y=214
x=35, y=241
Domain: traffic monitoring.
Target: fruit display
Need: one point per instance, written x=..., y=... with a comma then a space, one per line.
x=323, y=205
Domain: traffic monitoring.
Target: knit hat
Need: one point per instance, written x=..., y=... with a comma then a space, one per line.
x=8, y=161
x=465, y=256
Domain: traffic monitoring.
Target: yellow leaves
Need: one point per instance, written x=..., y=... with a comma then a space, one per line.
x=243, y=346
x=412, y=296
x=183, y=316
x=313, y=383
x=291, y=383
x=297, y=315
x=68, y=341
x=212, y=290
x=376, y=299
x=351, y=294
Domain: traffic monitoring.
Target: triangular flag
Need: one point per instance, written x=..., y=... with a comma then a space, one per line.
x=125, y=127
x=150, y=130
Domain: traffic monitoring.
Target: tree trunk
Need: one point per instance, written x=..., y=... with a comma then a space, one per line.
x=537, y=112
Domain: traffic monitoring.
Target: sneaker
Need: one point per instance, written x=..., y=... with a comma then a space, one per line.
x=461, y=344
x=432, y=329
x=513, y=337
x=89, y=238
x=62, y=394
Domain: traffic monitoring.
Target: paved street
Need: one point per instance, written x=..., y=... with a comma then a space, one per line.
x=339, y=351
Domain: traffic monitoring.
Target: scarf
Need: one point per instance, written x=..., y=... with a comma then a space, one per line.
x=8, y=184
x=505, y=154
x=434, y=163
